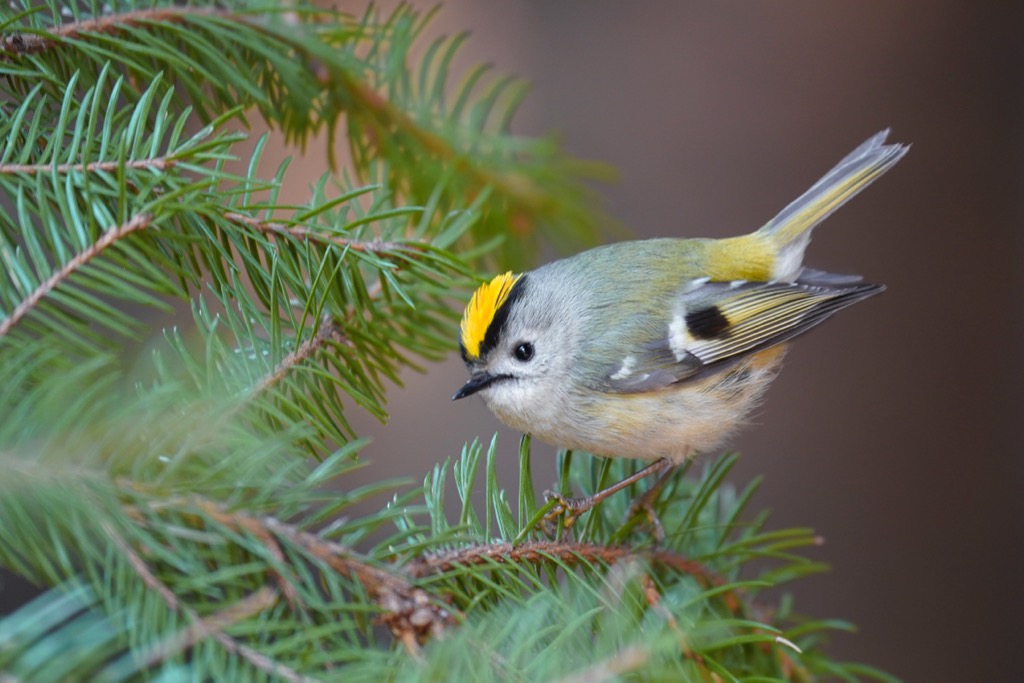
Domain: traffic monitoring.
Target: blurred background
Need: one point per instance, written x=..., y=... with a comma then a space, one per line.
x=894, y=429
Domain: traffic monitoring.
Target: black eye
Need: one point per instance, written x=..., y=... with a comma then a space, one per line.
x=523, y=352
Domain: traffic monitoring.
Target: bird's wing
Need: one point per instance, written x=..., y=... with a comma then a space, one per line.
x=713, y=324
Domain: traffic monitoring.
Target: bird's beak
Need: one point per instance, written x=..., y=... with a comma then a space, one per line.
x=478, y=382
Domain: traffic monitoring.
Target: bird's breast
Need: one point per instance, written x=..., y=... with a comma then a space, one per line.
x=671, y=423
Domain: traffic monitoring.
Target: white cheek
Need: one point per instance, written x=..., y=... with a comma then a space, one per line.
x=529, y=404
x=514, y=396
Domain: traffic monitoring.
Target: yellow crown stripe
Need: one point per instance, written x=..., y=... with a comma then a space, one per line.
x=481, y=310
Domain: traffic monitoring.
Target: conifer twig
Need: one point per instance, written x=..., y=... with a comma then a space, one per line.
x=329, y=329
x=31, y=43
x=214, y=625
x=565, y=551
x=410, y=612
x=210, y=627
x=142, y=569
x=306, y=350
x=364, y=246
x=108, y=238
x=156, y=164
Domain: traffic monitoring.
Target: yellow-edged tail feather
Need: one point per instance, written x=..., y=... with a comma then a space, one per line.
x=776, y=251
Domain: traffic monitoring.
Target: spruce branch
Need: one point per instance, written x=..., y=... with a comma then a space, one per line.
x=17, y=44
x=155, y=164
x=405, y=608
x=328, y=330
x=109, y=237
x=209, y=627
x=375, y=246
x=214, y=627
x=568, y=553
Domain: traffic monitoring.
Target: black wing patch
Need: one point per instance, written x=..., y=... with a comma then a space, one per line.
x=707, y=322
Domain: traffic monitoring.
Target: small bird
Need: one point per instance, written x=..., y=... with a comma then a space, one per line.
x=657, y=349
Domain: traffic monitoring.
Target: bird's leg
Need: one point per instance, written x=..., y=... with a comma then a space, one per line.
x=645, y=504
x=572, y=508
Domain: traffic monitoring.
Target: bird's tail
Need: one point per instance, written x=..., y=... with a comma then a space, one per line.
x=790, y=230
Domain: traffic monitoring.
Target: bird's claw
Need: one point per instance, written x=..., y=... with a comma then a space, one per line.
x=569, y=509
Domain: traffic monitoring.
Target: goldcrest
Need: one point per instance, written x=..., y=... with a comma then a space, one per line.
x=659, y=348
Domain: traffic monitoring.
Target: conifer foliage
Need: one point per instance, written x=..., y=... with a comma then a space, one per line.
x=180, y=352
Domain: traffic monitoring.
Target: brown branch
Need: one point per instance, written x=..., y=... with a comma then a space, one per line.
x=540, y=551
x=363, y=246
x=142, y=569
x=212, y=626
x=274, y=548
x=329, y=328
x=111, y=236
x=412, y=614
x=31, y=43
x=653, y=597
x=305, y=351
x=158, y=164
x=565, y=551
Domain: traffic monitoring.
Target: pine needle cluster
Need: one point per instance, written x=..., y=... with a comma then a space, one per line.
x=180, y=352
